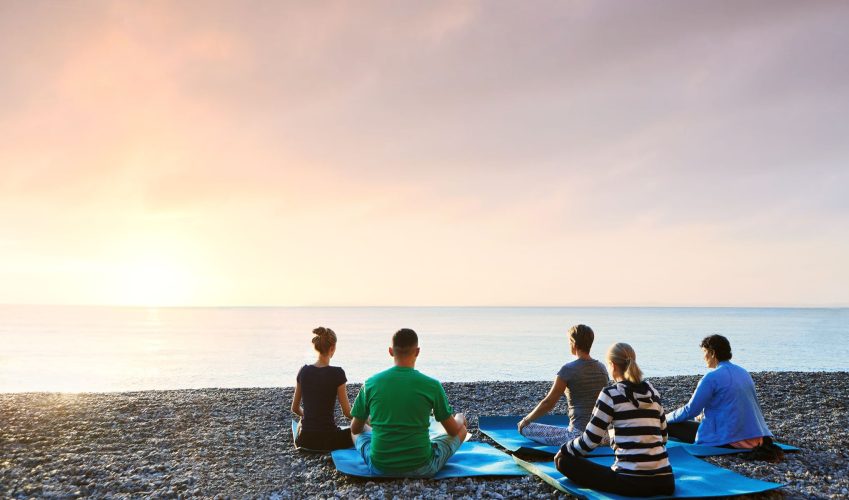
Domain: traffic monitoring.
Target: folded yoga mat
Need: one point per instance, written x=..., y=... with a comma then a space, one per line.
x=472, y=459
x=694, y=478
x=503, y=431
x=700, y=450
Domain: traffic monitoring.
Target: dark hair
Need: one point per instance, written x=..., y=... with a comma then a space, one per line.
x=719, y=345
x=404, y=342
x=582, y=336
x=323, y=339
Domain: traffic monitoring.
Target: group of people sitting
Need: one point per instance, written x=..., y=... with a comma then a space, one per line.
x=608, y=403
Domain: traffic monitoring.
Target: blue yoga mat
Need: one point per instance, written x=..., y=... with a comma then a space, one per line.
x=472, y=459
x=694, y=478
x=503, y=431
x=700, y=450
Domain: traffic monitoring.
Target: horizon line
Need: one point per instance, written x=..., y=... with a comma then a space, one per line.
x=432, y=306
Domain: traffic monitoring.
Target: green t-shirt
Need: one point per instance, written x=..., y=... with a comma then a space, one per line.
x=399, y=401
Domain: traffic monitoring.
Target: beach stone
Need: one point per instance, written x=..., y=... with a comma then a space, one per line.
x=236, y=443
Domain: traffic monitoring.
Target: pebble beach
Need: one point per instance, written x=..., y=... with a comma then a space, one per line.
x=237, y=443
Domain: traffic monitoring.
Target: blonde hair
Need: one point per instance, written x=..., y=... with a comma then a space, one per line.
x=323, y=339
x=623, y=356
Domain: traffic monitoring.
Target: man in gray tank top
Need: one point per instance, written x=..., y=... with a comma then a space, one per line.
x=581, y=381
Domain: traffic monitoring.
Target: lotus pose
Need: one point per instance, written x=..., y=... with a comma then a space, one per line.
x=319, y=386
x=726, y=396
x=638, y=435
x=399, y=402
x=580, y=380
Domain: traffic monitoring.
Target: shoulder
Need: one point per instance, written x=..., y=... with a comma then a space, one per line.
x=304, y=369
x=570, y=365
x=651, y=388
x=733, y=367
x=739, y=374
x=426, y=381
x=426, y=378
x=378, y=378
x=611, y=390
x=567, y=368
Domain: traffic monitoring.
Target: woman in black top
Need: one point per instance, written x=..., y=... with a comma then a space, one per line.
x=319, y=385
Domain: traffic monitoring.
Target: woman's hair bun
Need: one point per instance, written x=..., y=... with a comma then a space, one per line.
x=323, y=339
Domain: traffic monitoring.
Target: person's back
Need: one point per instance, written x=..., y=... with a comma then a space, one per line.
x=585, y=378
x=726, y=395
x=580, y=381
x=733, y=413
x=319, y=388
x=632, y=412
x=398, y=403
x=401, y=400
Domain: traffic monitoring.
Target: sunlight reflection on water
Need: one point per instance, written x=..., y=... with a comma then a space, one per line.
x=108, y=349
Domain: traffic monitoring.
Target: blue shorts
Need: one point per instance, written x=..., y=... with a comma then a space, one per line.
x=444, y=446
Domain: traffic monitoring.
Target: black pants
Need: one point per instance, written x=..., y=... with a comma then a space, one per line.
x=601, y=478
x=683, y=431
x=329, y=440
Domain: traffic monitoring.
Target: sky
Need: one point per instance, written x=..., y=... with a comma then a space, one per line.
x=453, y=153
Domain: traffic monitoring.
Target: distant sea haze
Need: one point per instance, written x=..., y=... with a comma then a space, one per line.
x=55, y=348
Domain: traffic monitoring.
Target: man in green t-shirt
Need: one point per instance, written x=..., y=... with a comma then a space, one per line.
x=399, y=402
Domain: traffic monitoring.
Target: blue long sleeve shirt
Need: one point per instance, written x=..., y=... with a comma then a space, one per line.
x=727, y=396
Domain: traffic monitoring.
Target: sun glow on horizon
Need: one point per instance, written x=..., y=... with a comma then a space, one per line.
x=155, y=282
x=155, y=268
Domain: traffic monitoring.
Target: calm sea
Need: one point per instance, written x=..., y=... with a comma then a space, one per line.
x=117, y=349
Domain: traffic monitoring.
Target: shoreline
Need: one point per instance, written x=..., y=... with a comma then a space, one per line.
x=237, y=442
x=358, y=384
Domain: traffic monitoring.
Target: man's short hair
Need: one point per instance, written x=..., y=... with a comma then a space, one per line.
x=719, y=345
x=404, y=342
x=582, y=336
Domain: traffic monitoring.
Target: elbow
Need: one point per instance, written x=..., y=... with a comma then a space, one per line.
x=548, y=404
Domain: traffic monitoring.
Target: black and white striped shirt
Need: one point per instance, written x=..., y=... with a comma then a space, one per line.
x=638, y=433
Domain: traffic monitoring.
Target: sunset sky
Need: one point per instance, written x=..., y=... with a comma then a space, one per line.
x=424, y=153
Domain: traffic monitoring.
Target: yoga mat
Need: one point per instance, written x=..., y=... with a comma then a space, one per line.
x=472, y=459
x=700, y=450
x=694, y=478
x=503, y=431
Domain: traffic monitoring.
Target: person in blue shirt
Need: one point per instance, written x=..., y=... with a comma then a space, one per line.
x=723, y=410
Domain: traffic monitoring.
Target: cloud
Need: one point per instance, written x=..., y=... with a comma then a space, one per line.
x=497, y=141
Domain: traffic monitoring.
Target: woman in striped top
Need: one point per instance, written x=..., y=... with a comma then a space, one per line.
x=631, y=409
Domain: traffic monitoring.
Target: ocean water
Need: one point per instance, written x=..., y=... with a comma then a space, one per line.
x=116, y=349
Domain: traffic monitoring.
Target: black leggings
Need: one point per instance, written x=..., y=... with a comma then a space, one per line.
x=683, y=431
x=601, y=478
x=338, y=439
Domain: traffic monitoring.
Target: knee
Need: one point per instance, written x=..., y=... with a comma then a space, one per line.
x=562, y=460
